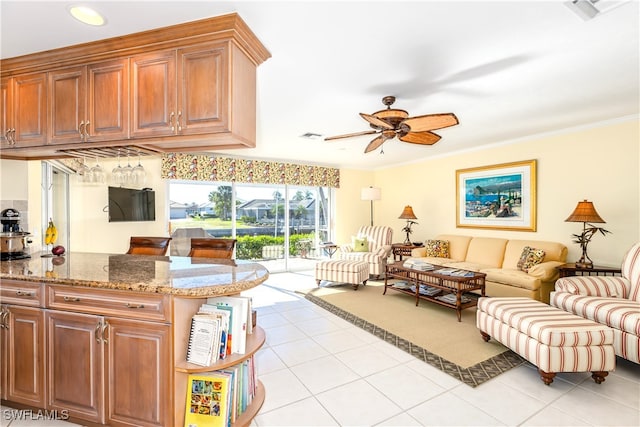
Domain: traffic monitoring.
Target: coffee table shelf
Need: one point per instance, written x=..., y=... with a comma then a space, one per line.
x=458, y=285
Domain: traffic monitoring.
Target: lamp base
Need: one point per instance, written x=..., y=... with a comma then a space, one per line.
x=581, y=264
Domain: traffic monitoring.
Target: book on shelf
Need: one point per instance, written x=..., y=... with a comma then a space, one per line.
x=225, y=321
x=208, y=400
x=240, y=323
x=204, y=339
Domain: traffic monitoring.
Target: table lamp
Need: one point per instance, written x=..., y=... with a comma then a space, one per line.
x=585, y=213
x=408, y=214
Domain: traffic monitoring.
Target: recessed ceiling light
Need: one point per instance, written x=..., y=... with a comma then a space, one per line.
x=87, y=15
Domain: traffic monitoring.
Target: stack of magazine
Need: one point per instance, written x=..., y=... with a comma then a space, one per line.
x=403, y=285
x=451, y=298
x=427, y=290
x=455, y=272
x=416, y=264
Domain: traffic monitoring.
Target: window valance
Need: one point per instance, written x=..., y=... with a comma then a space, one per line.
x=203, y=167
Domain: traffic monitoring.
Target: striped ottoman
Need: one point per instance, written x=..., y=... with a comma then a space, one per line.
x=345, y=271
x=551, y=339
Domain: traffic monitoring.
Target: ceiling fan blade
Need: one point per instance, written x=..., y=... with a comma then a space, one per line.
x=424, y=138
x=375, y=143
x=349, y=135
x=376, y=121
x=431, y=122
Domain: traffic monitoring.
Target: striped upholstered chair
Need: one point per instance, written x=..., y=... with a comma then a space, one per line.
x=611, y=300
x=378, y=238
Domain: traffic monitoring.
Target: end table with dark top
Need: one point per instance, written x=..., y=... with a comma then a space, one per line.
x=571, y=269
x=400, y=249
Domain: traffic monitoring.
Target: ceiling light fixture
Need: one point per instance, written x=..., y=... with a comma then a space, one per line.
x=87, y=15
x=586, y=9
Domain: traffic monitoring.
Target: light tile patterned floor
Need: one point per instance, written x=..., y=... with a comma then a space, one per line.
x=319, y=370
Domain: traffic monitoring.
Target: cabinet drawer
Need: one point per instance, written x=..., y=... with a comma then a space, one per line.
x=109, y=302
x=21, y=293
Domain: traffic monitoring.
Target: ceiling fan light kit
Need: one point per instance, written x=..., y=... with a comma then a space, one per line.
x=391, y=122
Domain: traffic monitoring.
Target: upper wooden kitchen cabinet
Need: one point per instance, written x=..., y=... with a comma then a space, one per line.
x=181, y=92
x=24, y=110
x=89, y=103
x=187, y=87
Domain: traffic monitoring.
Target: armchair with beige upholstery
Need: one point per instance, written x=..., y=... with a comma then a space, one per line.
x=610, y=300
x=375, y=252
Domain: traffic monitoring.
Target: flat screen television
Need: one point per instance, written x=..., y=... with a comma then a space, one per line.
x=128, y=204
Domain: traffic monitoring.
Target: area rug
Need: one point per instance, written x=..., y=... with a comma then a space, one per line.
x=429, y=331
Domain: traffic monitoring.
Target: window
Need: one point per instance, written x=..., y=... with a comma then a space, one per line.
x=280, y=226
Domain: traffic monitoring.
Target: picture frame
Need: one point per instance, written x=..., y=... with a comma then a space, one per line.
x=499, y=197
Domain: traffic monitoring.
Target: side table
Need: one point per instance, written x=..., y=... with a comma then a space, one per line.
x=567, y=270
x=329, y=248
x=400, y=249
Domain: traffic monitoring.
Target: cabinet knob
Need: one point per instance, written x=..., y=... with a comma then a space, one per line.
x=172, y=117
x=179, y=119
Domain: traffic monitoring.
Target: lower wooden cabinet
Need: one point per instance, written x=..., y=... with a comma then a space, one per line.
x=22, y=363
x=108, y=369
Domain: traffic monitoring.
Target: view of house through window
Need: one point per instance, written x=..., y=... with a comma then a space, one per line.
x=281, y=226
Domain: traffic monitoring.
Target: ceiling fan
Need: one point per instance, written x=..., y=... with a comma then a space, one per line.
x=391, y=123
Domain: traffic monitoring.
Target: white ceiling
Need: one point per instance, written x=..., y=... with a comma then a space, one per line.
x=508, y=69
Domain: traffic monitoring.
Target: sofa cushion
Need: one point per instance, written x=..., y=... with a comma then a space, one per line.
x=487, y=251
x=511, y=277
x=529, y=257
x=437, y=248
x=458, y=245
x=617, y=313
x=360, y=244
x=553, y=251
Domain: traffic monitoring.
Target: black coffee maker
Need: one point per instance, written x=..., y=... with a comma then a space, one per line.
x=10, y=220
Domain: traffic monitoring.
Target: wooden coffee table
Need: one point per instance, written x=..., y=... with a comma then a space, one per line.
x=453, y=291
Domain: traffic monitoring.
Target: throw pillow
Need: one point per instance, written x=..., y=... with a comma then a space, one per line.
x=360, y=244
x=530, y=257
x=437, y=248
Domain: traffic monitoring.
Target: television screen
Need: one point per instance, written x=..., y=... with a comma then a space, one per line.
x=128, y=204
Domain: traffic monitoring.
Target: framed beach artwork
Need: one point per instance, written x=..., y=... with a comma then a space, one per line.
x=501, y=197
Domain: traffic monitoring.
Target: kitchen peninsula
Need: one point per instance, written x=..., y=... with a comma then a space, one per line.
x=104, y=336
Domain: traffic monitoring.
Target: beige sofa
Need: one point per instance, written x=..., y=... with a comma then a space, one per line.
x=498, y=259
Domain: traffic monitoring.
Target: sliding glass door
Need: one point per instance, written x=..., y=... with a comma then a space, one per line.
x=278, y=225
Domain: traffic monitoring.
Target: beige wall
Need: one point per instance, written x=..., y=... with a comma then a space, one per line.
x=599, y=164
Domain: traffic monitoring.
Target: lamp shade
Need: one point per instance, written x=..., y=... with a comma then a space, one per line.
x=371, y=193
x=584, y=212
x=407, y=213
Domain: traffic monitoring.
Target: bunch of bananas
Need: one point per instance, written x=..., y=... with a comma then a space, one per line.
x=51, y=235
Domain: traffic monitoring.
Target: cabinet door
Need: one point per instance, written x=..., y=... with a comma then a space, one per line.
x=139, y=372
x=153, y=94
x=75, y=364
x=4, y=351
x=108, y=103
x=25, y=355
x=30, y=109
x=6, y=109
x=67, y=104
x=203, y=99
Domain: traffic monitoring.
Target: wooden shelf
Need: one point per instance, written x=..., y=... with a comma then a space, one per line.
x=254, y=342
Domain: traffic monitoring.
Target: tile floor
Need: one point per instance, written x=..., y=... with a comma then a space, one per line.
x=319, y=370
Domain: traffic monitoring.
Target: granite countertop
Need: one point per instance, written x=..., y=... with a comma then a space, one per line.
x=185, y=276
